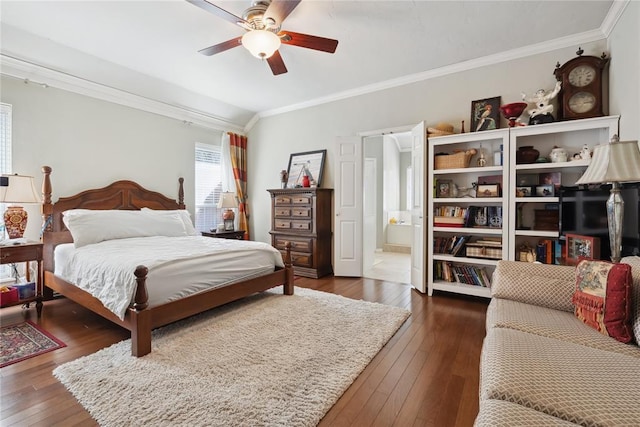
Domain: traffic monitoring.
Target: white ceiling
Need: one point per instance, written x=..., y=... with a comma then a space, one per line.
x=149, y=48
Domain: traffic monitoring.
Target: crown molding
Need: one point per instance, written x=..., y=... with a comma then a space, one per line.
x=615, y=12
x=31, y=72
x=534, y=49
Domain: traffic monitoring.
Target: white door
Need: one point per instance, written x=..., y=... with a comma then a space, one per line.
x=369, y=232
x=418, y=220
x=347, y=226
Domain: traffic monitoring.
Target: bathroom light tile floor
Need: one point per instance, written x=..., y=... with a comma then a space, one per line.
x=392, y=266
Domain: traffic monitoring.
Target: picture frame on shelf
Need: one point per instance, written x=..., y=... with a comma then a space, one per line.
x=547, y=178
x=527, y=179
x=490, y=179
x=310, y=163
x=485, y=114
x=488, y=190
x=545, y=190
x=525, y=191
x=579, y=247
x=444, y=188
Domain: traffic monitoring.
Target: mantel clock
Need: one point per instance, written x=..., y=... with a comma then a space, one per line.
x=582, y=84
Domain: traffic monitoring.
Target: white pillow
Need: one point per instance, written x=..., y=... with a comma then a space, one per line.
x=94, y=226
x=184, y=215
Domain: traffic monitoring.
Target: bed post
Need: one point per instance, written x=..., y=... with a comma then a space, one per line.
x=141, y=325
x=181, y=193
x=47, y=207
x=288, y=267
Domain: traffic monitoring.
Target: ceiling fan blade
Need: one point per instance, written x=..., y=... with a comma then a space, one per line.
x=278, y=10
x=221, y=47
x=220, y=13
x=276, y=64
x=310, y=42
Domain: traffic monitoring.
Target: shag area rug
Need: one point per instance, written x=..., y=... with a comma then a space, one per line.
x=25, y=340
x=268, y=360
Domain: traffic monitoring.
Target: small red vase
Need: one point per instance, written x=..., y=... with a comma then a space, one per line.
x=305, y=181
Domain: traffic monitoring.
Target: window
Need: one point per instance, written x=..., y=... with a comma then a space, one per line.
x=5, y=166
x=208, y=181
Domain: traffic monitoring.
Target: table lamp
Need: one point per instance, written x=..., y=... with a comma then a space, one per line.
x=17, y=189
x=228, y=201
x=614, y=163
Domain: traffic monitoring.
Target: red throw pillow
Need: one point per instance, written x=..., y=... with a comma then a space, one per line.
x=602, y=298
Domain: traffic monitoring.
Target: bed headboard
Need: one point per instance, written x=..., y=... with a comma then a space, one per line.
x=126, y=195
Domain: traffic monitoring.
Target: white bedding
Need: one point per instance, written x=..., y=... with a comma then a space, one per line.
x=178, y=266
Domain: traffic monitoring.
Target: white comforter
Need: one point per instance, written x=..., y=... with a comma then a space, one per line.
x=192, y=263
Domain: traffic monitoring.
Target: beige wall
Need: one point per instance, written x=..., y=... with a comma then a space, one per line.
x=90, y=143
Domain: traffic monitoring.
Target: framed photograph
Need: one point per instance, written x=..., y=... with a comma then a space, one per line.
x=550, y=178
x=527, y=179
x=485, y=114
x=444, y=188
x=488, y=190
x=546, y=190
x=525, y=191
x=490, y=179
x=309, y=163
x=579, y=247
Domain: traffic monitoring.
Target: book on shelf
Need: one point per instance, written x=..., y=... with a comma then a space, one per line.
x=548, y=251
x=450, y=245
x=464, y=274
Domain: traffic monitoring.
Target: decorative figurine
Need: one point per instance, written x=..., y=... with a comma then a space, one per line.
x=482, y=161
x=585, y=153
x=541, y=113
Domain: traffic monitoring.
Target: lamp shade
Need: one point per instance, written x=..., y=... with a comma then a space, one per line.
x=617, y=161
x=227, y=200
x=261, y=43
x=17, y=189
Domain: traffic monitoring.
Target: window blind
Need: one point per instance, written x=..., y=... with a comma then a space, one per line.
x=208, y=185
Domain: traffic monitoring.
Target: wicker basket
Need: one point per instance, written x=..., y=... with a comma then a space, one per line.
x=454, y=161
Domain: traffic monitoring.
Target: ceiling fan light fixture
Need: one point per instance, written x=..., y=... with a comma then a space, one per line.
x=261, y=43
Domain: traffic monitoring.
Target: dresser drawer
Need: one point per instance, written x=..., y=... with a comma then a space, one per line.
x=301, y=225
x=299, y=259
x=301, y=200
x=281, y=224
x=297, y=245
x=282, y=212
x=282, y=200
x=301, y=212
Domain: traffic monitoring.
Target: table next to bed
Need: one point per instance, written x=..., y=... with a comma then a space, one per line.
x=233, y=235
x=25, y=252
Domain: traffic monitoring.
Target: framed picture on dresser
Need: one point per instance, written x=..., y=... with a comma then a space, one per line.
x=309, y=164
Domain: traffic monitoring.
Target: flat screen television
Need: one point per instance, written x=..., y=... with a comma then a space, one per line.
x=583, y=211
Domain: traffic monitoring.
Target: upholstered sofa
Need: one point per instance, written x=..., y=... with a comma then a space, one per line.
x=542, y=366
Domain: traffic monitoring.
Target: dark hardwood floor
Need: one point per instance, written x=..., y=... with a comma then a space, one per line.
x=426, y=375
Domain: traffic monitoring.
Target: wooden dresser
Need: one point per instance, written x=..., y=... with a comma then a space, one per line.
x=302, y=216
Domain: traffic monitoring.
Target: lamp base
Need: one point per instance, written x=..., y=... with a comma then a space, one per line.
x=15, y=221
x=615, y=212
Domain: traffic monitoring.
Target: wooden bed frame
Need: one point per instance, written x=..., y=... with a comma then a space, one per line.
x=139, y=319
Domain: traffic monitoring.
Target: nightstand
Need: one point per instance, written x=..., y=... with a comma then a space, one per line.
x=233, y=235
x=30, y=251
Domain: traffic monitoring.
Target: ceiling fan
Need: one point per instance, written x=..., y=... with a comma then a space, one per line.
x=263, y=21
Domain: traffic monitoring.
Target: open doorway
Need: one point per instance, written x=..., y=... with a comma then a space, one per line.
x=387, y=192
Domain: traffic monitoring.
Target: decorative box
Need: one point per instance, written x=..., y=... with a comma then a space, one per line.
x=26, y=290
x=547, y=220
x=484, y=250
x=9, y=296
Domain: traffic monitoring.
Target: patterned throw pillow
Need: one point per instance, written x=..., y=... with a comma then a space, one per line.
x=602, y=298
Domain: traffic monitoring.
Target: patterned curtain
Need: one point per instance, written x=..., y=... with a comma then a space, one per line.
x=238, y=145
